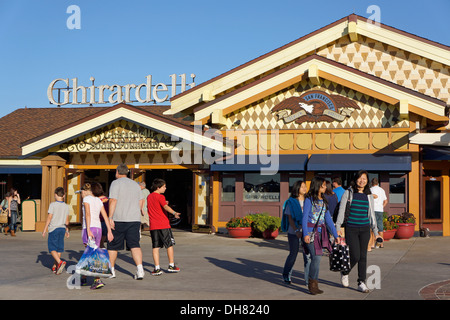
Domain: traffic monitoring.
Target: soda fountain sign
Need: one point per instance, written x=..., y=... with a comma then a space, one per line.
x=143, y=93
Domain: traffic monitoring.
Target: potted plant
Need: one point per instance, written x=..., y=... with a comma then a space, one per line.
x=256, y=224
x=406, y=223
x=265, y=225
x=390, y=228
x=273, y=225
x=239, y=227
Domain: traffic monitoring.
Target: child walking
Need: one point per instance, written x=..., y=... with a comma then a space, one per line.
x=57, y=225
x=160, y=229
x=92, y=228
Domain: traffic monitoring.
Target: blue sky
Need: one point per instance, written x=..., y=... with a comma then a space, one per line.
x=121, y=42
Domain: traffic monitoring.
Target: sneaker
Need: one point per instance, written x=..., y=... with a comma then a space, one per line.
x=362, y=287
x=156, y=272
x=97, y=284
x=286, y=279
x=113, y=274
x=173, y=269
x=54, y=268
x=83, y=281
x=60, y=267
x=139, y=275
x=344, y=280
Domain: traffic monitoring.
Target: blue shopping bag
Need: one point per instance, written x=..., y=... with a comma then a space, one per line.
x=94, y=262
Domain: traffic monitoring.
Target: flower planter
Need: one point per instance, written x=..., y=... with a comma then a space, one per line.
x=269, y=235
x=240, y=233
x=389, y=234
x=405, y=230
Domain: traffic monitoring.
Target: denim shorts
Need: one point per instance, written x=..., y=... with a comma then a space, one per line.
x=56, y=240
x=379, y=219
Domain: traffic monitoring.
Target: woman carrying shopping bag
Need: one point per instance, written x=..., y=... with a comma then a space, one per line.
x=356, y=213
x=316, y=221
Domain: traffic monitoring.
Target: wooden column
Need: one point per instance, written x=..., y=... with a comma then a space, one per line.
x=414, y=196
x=53, y=174
x=446, y=202
x=216, y=204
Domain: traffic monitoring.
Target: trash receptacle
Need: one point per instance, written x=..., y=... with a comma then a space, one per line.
x=29, y=214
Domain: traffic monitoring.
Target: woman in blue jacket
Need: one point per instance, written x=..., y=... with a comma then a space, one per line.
x=316, y=216
x=292, y=224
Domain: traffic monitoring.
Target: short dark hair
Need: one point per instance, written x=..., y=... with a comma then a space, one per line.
x=338, y=180
x=122, y=169
x=157, y=183
x=60, y=192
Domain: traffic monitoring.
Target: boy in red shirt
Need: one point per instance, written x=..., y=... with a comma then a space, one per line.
x=160, y=229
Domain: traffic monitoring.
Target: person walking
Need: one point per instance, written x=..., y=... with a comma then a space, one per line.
x=13, y=210
x=337, y=187
x=160, y=229
x=105, y=201
x=92, y=228
x=144, y=214
x=316, y=221
x=292, y=223
x=5, y=206
x=380, y=201
x=332, y=200
x=356, y=212
x=125, y=203
x=57, y=225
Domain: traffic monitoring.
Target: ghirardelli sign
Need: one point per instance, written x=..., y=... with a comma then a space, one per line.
x=144, y=93
x=315, y=106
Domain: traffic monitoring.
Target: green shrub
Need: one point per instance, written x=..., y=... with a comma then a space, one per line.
x=263, y=221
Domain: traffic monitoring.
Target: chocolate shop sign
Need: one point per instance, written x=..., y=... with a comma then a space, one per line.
x=134, y=138
x=144, y=93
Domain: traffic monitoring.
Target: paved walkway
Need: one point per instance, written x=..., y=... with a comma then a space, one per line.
x=216, y=267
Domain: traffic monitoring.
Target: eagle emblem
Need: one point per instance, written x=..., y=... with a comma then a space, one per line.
x=315, y=106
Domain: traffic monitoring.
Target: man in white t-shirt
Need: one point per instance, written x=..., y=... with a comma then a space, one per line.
x=380, y=201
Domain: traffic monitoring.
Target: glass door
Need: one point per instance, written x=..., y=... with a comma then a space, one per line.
x=432, y=199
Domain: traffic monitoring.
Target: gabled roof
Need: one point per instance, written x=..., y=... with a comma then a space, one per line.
x=30, y=131
x=316, y=67
x=351, y=26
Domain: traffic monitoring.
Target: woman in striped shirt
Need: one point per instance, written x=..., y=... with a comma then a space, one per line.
x=356, y=212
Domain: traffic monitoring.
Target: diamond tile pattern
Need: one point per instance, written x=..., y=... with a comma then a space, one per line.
x=392, y=64
x=373, y=114
x=370, y=56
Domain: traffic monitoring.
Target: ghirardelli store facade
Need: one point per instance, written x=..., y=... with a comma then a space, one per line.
x=349, y=96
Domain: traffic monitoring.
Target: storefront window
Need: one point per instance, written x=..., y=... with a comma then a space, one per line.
x=397, y=188
x=259, y=187
x=228, y=187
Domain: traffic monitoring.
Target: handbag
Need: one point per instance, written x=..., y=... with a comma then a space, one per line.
x=339, y=257
x=4, y=216
x=312, y=233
